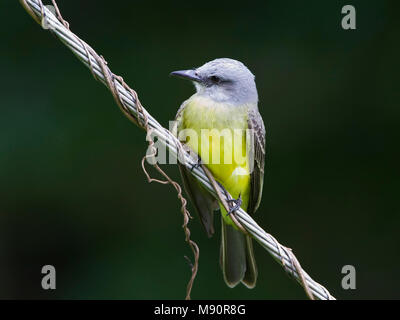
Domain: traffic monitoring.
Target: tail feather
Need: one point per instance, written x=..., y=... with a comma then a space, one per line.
x=237, y=258
x=250, y=277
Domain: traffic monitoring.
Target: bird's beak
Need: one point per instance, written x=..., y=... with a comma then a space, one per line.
x=187, y=74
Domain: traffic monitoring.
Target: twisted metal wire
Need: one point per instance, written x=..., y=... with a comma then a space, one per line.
x=280, y=253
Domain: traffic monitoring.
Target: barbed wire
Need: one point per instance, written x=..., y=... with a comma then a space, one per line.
x=132, y=108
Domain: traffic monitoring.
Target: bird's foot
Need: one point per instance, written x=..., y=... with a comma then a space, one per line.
x=236, y=204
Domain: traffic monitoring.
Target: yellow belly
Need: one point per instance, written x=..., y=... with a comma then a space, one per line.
x=217, y=133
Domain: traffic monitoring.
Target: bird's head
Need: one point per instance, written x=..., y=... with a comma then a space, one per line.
x=223, y=80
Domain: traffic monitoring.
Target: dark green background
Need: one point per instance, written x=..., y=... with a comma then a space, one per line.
x=72, y=193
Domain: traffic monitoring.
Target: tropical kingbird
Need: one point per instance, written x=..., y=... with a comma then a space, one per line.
x=225, y=102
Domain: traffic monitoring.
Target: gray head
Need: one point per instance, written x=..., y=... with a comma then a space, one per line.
x=223, y=80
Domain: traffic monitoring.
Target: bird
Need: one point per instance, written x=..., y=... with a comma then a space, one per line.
x=225, y=104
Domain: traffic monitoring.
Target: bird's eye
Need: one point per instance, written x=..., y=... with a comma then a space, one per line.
x=215, y=79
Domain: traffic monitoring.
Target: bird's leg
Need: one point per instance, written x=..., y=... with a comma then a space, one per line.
x=236, y=204
x=197, y=164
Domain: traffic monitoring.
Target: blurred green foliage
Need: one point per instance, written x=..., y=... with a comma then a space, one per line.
x=72, y=193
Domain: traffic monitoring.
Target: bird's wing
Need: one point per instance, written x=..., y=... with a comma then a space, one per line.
x=204, y=203
x=256, y=123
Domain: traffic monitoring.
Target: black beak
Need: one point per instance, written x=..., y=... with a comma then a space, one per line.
x=187, y=74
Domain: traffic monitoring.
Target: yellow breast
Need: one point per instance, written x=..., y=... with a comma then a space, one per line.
x=217, y=133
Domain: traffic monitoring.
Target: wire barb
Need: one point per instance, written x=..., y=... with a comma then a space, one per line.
x=129, y=103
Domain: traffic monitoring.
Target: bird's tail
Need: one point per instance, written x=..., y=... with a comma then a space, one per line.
x=237, y=258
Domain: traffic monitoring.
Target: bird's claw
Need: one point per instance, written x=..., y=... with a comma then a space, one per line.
x=236, y=204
